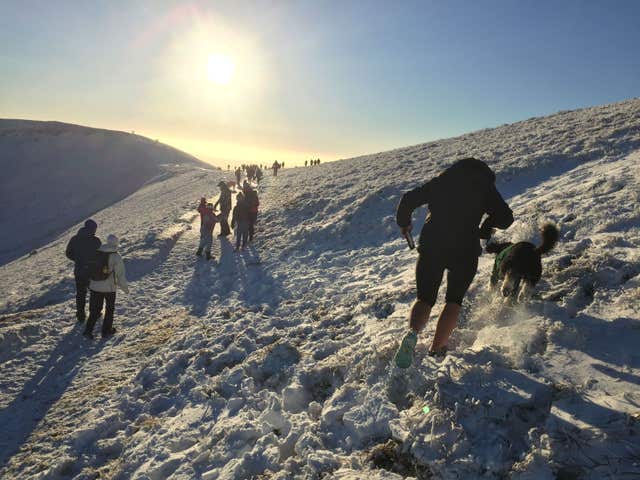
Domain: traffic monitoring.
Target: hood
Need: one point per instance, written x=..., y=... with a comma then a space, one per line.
x=111, y=245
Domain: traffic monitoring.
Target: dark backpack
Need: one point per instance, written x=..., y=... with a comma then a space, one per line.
x=99, y=267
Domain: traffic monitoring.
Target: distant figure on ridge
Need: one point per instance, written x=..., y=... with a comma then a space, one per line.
x=259, y=175
x=108, y=275
x=238, y=176
x=224, y=201
x=81, y=249
x=275, y=167
x=240, y=221
x=207, y=223
x=450, y=240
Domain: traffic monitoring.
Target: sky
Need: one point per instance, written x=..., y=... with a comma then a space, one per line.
x=252, y=81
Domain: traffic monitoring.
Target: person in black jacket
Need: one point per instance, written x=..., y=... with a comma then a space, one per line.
x=224, y=201
x=450, y=240
x=82, y=249
x=240, y=221
x=253, y=202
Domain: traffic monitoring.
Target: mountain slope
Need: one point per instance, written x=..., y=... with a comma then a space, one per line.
x=277, y=362
x=55, y=174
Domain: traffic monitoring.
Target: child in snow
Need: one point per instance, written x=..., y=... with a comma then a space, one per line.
x=450, y=240
x=240, y=221
x=103, y=288
x=207, y=221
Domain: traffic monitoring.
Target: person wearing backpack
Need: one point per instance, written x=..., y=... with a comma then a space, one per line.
x=107, y=276
x=81, y=249
x=458, y=199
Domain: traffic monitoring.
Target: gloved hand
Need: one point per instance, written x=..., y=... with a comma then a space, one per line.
x=486, y=231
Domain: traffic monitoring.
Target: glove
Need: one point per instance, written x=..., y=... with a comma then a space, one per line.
x=486, y=231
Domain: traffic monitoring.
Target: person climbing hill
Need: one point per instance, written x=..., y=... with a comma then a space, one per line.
x=107, y=277
x=224, y=201
x=81, y=249
x=458, y=198
x=240, y=221
x=207, y=222
x=253, y=202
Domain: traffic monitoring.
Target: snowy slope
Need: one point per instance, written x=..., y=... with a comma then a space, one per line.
x=55, y=174
x=276, y=363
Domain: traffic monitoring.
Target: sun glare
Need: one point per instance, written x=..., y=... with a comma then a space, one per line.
x=220, y=69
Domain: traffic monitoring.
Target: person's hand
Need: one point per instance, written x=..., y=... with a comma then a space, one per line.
x=406, y=230
x=486, y=231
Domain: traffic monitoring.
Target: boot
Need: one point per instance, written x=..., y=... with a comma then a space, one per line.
x=199, y=252
x=208, y=255
x=81, y=317
x=109, y=333
x=404, y=355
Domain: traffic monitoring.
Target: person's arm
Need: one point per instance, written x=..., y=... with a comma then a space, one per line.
x=409, y=202
x=217, y=203
x=120, y=273
x=233, y=217
x=500, y=215
x=69, y=251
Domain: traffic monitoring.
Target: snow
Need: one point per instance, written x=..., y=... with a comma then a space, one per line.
x=276, y=362
x=57, y=174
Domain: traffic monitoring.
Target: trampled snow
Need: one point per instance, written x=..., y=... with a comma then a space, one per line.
x=277, y=362
x=55, y=174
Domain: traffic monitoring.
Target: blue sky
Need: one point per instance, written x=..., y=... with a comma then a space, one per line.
x=312, y=78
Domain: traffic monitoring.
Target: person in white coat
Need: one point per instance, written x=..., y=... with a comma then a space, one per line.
x=104, y=291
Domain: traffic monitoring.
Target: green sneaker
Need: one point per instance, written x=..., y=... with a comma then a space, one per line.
x=404, y=355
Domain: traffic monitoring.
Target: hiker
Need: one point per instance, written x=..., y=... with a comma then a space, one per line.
x=275, y=168
x=450, y=240
x=251, y=197
x=240, y=221
x=207, y=223
x=238, y=176
x=81, y=249
x=258, y=175
x=108, y=275
x=224, y=201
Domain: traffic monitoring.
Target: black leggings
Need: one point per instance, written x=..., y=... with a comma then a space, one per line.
x=430, y=269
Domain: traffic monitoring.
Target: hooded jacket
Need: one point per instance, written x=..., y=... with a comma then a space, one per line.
x=117, y=277
x=458, y=198
x=81, y=249
x=224, y=200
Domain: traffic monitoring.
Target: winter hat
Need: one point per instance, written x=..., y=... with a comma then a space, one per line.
x=91, y=225
x=222, y=183
x=112, y=241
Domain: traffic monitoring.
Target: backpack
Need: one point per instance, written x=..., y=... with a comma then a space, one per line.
x=100, y=266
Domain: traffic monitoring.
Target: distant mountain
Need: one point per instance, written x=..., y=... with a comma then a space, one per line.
x=55, y=174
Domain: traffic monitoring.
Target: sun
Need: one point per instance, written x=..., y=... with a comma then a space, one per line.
x=220, y=69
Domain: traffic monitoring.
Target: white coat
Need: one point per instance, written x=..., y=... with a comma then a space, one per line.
x=117, y=278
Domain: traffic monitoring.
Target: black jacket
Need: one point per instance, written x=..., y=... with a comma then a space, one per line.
x=241, y=213
x=457, y=199
x=82, y=250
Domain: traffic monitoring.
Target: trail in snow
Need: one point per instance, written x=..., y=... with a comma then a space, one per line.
x=282, y=369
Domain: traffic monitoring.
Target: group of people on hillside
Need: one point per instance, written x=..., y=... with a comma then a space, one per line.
x=98, y=269
x=312, y=162
x=243, y=217
x=253, y=172
x=458, y=199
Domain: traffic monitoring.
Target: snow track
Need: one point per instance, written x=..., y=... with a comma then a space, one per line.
x=276, y=362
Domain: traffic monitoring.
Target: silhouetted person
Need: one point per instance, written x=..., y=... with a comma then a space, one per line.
x=450, y=240
x=224, y=202
x=240, y=221
x=82, y=249
x=253, y=202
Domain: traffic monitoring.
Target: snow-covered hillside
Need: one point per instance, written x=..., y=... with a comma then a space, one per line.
x=276, y=363
x=54, y=174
